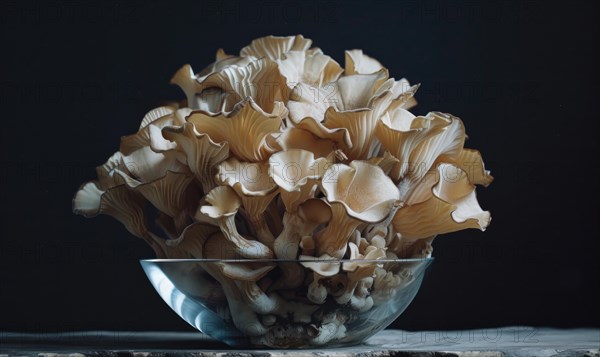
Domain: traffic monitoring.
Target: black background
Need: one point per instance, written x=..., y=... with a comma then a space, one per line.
x=523, y=76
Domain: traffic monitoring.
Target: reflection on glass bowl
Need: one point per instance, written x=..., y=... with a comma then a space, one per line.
x=263, y=303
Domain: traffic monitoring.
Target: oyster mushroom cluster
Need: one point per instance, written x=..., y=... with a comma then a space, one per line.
x=281, y=153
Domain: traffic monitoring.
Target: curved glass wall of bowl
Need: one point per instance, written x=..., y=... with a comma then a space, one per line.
x=341, y=303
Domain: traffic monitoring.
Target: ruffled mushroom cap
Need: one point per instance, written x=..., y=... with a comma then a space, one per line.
x=350, y=113
x=247, y=129
x=169, y=194
x=122, y=204
x=274, y=47
x=202, y=155
x=471, y=162
x=200, y=97
x=347, y=93
x=296, y=172
x=310, y=67
x=255, y=188
x=450, y=206
x=417, y=142
x=295, y=138
x=259, y=80
x=359, y=63
x=157, y=118
x=224, y=206
x=357, y=193
x=221, y=90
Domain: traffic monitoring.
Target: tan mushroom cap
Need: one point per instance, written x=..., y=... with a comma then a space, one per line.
x=246, y=129
x=451, y=206
x=364, y=190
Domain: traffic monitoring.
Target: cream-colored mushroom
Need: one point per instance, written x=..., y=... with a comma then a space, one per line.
x=252, y=183
x=353, y=105
x=259, y=80
x=296, y=172
x=471, y=162
x=156, y=118
x=246, y=129
x=417, y=142
x=322, y=267
x=359, y=63
x=358, y=270
x=311, y=67
x=387, y=283
x=296, y=138
x=118, y=202
x=171, y=194
x=274, y=47
x=224, y=206
x=194, y=239
x=357, y=193
x=202, y=155
x=302, y=223
x=450, y=206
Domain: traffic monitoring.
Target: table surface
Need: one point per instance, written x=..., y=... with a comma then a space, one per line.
x=496, y=342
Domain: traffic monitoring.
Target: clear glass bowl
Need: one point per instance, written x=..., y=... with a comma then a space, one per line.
x=270, y=307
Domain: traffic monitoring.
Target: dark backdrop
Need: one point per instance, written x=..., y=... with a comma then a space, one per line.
x=523, y=75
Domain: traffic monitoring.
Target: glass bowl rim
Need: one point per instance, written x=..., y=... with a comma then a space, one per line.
x=316, y=260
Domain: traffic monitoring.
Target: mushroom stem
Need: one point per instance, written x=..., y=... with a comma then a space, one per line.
x=258, y=301
x=260, y=227
x=286, y=244
x=333, y=240
x=295, y=226
x=247, y=248
x=243, y=317
x=382, y=227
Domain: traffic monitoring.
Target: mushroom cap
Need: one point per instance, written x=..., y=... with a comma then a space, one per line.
x=364, y=190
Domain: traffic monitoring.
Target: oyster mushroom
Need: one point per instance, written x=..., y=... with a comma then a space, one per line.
x=417, y=142
x=322, y=267
x=359, y=63
x=309, y=215
x=211, y=99
x=156, y=118
x=119, y=202
x=352, y=105
x=171, y=194
x=224, y=205
x=471, y=163
x=274, y=47
x=256, y=190
x=450, y=206
x=296, y=172
x=358, y=270
x=311, y=67
x=202, y=155
x=386, y=284
x=295, y=138
x=357, y=193
x=194, y=239
x=259, y=80
x=108, y=195
x=247, y=129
